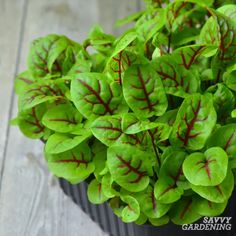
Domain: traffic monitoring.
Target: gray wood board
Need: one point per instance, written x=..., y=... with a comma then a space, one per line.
x=31, y=201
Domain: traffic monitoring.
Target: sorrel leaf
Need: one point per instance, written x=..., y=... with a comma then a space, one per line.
x=167, y=189
x=176, y=79
x=149, y=205
x=184, y=212
x=208, y=168
x=59, y=142
x=108, y=130
x=208, y=208
x=93, y=96
x=74, y=165
x=219, y=193
x=227, y=140
x=129, y=167
x=95, y=193
x=195, y=121
x=143, y=91
x=63, y=118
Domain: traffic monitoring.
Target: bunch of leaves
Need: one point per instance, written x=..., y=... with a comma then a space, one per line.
x=147, y=118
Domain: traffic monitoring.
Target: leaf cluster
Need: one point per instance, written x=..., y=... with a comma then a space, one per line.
x=148, y=116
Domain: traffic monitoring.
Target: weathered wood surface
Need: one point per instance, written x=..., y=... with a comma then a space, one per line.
x=31, y=202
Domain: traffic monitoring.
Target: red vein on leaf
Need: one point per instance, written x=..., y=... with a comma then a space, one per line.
x=186, y=208
x=75, y=160
x=190, y=125
x=106, y=106
x=229, y=141
x=140, y=174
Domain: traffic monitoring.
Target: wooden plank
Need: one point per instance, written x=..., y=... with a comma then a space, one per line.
x=118, y=10
x=10, y=36
x=31, y=203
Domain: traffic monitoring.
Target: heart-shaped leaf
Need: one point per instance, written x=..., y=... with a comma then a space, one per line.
x=195, y=121
x=95, y=193
x=143, y=91
x=219, y=193
x=208, y=168
x=223, y=99
x=130, y=212
x=149, y=205
x=62, y=118
x=51, y=55
x=108, y=130
x=74, y=165
x=129, y=167
x=187, y=55
x=224, y=137
x=167, y=189
x=184, y=212
x=58, y=142
x=30, y=122
x=176, y=80
x=40, y=92
x=93, y=96
x=120, y=63
x=207, y=208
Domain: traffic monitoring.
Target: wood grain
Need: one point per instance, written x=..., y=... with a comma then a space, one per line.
x=31, y=201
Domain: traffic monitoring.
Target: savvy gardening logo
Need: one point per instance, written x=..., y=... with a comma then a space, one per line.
x=210, y=223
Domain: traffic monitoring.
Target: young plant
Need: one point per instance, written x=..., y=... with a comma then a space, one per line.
x=149, y=116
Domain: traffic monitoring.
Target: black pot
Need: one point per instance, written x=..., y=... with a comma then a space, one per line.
x=109, y=222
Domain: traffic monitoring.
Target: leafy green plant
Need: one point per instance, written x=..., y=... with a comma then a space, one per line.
x=149, y=116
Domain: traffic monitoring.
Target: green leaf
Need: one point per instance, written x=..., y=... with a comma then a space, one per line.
x=167, y=188
x=93, y=96
x=142, y=219
x=124, y=41
x=150, y=23
x=52, y=54
x=208, y=168
x=118, y=64
x=187, y=55
x=143, y=91
x=99, y=40
x=58, y=142
x=30, y=122
x=130, y=212
x=159, y=221
x=224, y=137
x=176, y=80
x=207, y=208
x=62, y=118
x=223, y=99
x=132, y=125
x=74, y=165
x=229, y=78
x=108, y=130
x=107, y=187
x=23, y=81
x=129, y=19
x=129, y=167
x=184, y=212
x=95, y=193
x=219, y=193
x=99, y=158
x=149, y=205
x=195, y=121
x=233, y=113
x=40, y=92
